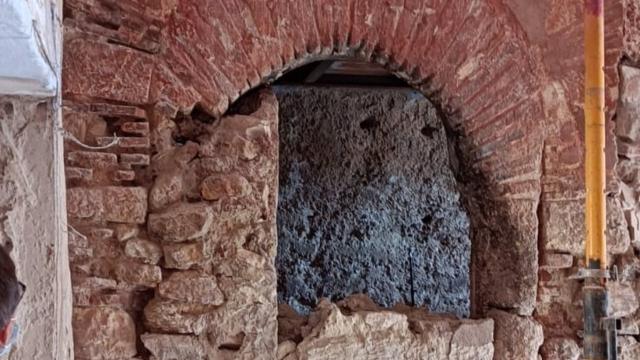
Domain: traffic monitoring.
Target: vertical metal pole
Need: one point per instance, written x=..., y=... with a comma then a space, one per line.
x=595, y=294
x=594, y=133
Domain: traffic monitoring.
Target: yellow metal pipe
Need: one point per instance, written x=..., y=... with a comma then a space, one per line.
x=599, y=333
x=595, y=214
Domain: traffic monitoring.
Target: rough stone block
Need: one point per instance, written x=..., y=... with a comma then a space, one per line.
x=623, y=300
x=508, y=266
x=91, y=159
x=176, y=317
x=143, y=250
x=168, y=188
x=85, y=287
x=125, y=204
x=174, y=347
x=111, y=203
x=103, y=333
x=627, y=124
x=225, y=186
x=554, y=261
x=564, y=226
x=191, y=287
x=386, y=334
x=183, y=256
x=187, y=221
x=560, y=349
x=175, y=157
x=138, y=274
x=629, y=348
x=508, y=345
x=125, y=232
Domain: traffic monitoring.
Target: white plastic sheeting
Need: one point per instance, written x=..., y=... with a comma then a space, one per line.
x=25, y=46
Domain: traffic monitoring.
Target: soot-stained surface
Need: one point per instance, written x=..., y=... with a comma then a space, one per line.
x=367, y=201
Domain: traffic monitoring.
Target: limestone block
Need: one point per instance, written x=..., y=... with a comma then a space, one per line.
x=84, y=288
x=285, y=349
x=175, y=157
x=560, y=349
x=564, y=226
x=248, y=282
x=509, y=277
x=218, y=187
x=167, y=189
x=557, y=261
x=191, y=287
x=472, y=340
x=628, y=266
x=143, y=250
x=176, y=317
x=623, y=300
x=138, y=274
x=627, y=124
x=236, y=136
x=386, y=334
x=183, y=256
x=187, y=221
x=510, y=346
x=173, y=347
x=103, y=333
x=110, y=203
x=629, y=348
x=92, y=160
x=124, y=232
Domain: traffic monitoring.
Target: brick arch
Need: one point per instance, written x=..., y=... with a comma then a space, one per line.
x=506, y=84
x=471, y=57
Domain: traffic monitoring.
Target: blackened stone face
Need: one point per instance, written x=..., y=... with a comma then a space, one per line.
x=367, y=201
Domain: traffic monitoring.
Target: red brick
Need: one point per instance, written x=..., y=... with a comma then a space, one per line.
x=118, y=110
x=76, y=173
x=135, y=159
x=124, y=175
x=140, y=128
x=106, y=71
x=305, y=20
x=125, y=142
x=92, y=159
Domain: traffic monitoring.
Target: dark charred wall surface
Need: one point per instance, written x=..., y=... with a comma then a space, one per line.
x=367, y=201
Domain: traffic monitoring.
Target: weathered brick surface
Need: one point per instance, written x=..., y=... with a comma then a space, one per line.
x=106, y=71
x=507, y=75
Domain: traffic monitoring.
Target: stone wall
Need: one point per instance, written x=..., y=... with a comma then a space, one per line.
x=179, y=242
x=368, y=202
x=506, y=75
